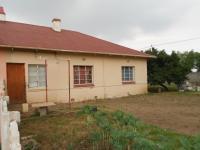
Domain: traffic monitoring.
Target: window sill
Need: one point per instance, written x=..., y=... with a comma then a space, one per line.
x=128, y=82
x=36, y=89
x=84, y=85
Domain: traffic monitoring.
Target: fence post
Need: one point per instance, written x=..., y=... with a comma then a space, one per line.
x=2, y=92
x=5, y=119
x=14, y=137
x=9, y=133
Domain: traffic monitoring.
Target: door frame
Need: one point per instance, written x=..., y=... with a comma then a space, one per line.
x=25, y=95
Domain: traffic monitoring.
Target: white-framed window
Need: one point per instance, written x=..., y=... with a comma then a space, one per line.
x=36, y=76
x=83, y=75
x=128, y=73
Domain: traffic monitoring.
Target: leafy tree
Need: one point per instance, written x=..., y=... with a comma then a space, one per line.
x=190, y=59
x=178, y=70
x=156, y=72
x=166, y=68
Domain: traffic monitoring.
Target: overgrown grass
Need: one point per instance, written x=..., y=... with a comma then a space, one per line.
x=55, y=132
x=93, y=128
x=121, y=131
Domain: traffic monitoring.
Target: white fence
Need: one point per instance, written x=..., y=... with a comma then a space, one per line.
x=10, y=138
x=2, y=87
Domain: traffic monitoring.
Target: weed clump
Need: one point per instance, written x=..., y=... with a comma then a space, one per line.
x=121, y=131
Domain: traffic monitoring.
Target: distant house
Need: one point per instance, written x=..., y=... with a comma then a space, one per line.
x=192, y=82
x=41, y=64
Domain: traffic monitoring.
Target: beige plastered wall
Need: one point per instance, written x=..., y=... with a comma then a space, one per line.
x=107, y=77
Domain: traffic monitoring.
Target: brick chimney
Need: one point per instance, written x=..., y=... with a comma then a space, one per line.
x=2, y=14
x=56, y=24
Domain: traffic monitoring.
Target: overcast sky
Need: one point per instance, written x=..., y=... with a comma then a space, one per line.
x=133, y=23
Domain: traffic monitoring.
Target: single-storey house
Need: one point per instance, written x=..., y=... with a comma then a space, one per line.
x=39, y=64
x=192, y=83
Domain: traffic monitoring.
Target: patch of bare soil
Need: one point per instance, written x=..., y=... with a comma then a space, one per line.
x=176, y=111
x=179, y=112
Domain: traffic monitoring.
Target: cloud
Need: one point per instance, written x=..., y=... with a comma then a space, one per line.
x=186, y=27
x=127, y=22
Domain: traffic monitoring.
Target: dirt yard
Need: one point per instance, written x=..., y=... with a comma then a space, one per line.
x=179, y=112
x=176, y=111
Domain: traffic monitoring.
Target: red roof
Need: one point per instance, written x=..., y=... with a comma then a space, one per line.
x=2, y=10
x=19, y=35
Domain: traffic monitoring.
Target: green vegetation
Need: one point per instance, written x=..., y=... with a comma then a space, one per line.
x=190, y=59
x=171, y=68
x=96, y=129
x=52, y=132
x=157, y=88
x=121, y=131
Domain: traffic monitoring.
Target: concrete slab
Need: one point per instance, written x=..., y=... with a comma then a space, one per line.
x=43, y=107
x=43, y=104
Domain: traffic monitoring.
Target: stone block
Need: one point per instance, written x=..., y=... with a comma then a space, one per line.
x=25, y=107
x=43, y=111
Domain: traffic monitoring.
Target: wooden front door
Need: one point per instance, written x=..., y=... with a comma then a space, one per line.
x=16, y=83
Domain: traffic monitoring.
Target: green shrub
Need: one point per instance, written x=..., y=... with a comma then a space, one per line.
x=124, y=119
x=96, y=129
x=121, y=131
x=158, y=88
x=88, y=109
x=155, y=88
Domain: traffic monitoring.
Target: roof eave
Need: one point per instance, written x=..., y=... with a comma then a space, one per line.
x=78, y=51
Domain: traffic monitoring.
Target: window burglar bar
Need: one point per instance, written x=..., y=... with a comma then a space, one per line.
x=37, y=76
x=82, y=75
x=128, y=73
